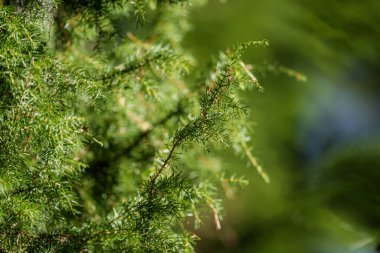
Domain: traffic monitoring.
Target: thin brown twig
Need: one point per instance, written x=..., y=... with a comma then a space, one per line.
x=161, y=169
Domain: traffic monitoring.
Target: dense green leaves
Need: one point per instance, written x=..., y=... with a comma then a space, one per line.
x=84, y=121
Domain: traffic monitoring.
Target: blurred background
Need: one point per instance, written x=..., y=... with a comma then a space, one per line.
x=319, y=139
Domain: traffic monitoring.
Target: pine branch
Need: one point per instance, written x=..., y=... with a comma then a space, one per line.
x=254, y=162
x=213, y=111
x=51, y=107
x=160, y=170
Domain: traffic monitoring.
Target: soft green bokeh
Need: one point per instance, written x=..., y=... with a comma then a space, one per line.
x=316, y=139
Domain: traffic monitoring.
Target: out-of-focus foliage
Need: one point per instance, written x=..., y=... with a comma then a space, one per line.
x=318, y=139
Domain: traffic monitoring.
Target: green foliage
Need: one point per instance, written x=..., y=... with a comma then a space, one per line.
x=87, y=109
x=324, y=176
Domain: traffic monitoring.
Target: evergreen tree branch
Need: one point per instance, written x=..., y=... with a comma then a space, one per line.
x=254, y=161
